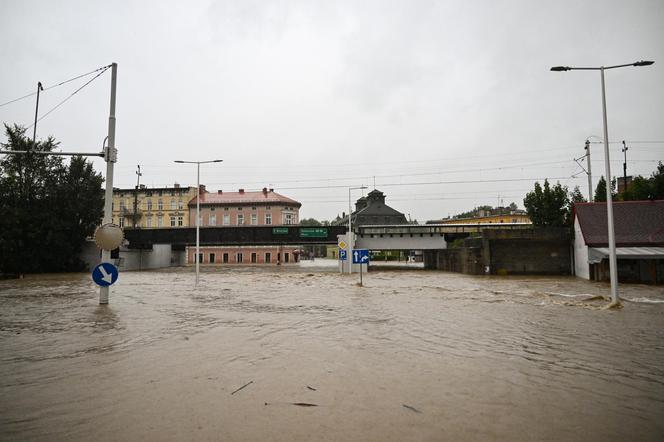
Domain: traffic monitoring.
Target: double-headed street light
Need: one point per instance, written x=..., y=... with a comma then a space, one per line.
x=349, y=258
x=613, y=262
x=198, y=206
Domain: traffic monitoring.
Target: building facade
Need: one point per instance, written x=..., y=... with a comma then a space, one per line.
x=372, y=210
x=152, y=208
x=514, y=217
x=242, y=208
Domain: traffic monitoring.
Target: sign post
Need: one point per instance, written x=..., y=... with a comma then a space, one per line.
x=361, y=256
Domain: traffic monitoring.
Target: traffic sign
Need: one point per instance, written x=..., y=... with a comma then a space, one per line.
x=105, y=274
x=343, y=254
x=342, y=244
x=361, y=256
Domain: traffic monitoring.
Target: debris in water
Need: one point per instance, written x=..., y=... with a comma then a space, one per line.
x=304, y=404
x=250, y=382
x=311, y=388
x=411, y=408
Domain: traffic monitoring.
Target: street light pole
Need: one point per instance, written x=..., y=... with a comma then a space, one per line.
x=34, y=129
x=350, y=230
x=590, y=174
x=613, y=261
x=624, y=149
x=198, y=208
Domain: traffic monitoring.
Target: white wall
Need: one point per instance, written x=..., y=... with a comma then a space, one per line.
x=581, y=266
x=158, y=257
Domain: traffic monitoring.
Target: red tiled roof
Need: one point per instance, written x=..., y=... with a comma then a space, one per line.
x=244, y=198
x=637, y=223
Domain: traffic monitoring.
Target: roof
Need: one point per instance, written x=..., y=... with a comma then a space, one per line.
x=258, y=197
x=596, y=254
x=637, y=223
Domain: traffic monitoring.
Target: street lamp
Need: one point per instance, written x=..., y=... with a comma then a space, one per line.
x=198, y=206
x=350, y=230
x=613, y=262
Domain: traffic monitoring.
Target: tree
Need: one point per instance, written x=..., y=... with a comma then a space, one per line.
x=310, y=222
x=600, y=190
x=49, y=207
x=548, y=206
x=646, y=188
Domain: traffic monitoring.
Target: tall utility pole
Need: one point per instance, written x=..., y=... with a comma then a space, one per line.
x=138, y=182
x=34, y=129
x=624, y=149
x=590, y=175
x=110, y=157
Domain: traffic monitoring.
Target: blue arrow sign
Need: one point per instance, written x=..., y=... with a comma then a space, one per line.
x=105, y=274
x=361, y=256
x=343, y=255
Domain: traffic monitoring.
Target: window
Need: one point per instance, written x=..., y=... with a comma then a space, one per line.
x=122, y=205
x=212, y=220
x=211, y=209
x=267, y=207
x=212, y=257
x=180, y=221
x=172, y=221
x=286, y=256
x=160, y=221
x=200, y=257
x=254, y=257
x=160, y=204
x=238, y=258
x=225, y=258
x=268, y=257
x=121, y=221
x=226, y=209
x=173, y=206
x=268, y=219
x=148, y=221
x=240, y=220
x=227, y=220
x=254, y=219
x=239, y=209
x=180, y=205
x=289, y=218
x=148, y=204
x=253, y=208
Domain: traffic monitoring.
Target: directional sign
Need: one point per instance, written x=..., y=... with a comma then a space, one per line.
x=361, y=256
x=105, y=274
x=343, y=254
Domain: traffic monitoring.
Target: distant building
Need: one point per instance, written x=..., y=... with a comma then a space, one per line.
x=639, y=230
x=156, y=207
x=372, y=210
x=242, y=208
x=497, y=215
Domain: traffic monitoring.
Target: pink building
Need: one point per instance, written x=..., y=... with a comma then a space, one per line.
x=231, y=209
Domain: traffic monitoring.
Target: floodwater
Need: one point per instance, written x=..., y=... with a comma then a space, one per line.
x=412, y=355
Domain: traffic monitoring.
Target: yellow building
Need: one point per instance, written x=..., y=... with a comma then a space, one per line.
x=489, y=219
x=155, y=207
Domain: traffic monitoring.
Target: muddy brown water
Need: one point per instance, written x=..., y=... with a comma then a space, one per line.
x=412, y=355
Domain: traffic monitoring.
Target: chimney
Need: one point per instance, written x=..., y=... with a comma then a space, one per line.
x=201, y=189
x=264, y=190
x=241, y=191
x=220, y=191
x=271, y=190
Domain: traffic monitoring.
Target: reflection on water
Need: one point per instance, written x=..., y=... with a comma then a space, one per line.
x=412, y=355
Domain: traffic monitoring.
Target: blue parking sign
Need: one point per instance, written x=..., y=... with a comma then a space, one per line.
x=343, y=255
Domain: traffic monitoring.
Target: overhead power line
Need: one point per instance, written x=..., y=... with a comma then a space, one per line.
x=70, y=96
x=56, y=85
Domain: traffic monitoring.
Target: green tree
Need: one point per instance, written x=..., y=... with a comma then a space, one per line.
x=600, y=190
x=548, y=206
x=310, y=222
x=49, y=207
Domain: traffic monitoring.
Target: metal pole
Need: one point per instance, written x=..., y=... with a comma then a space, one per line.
x=625, y=167
x=34, y=130
x=110, y=158
x=350, y=236
x=590, y=174
x=613, y=262
x=198, y=217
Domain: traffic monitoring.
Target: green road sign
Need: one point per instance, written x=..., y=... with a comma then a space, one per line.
x=280, y=230
x=313, y=232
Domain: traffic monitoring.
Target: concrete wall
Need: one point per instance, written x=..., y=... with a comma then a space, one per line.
x=160, y=256
x=581, y=266
x=406, y=242
x=532, y=251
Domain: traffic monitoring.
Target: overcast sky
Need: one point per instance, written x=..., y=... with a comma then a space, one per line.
x=313, y=97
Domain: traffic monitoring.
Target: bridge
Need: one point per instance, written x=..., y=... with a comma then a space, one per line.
x=422, y=237
x=373, y=237
x=180, y=237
